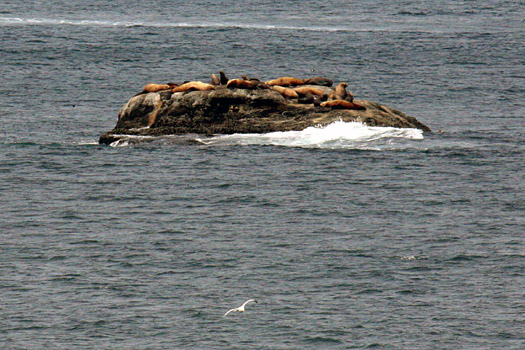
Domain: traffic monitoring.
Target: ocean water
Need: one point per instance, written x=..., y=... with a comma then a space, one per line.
x=348, y=236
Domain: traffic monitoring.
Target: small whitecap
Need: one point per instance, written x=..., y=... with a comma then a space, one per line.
x=88, y=143
x=119, y=143
x=408, y=257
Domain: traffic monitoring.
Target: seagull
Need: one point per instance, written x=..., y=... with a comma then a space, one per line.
x=240, y=308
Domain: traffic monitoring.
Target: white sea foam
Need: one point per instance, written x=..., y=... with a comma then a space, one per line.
x=63, y=21
x=339, y=134
x=195, y=24
x=6, y=21
x=88, y=143
x=120, y=143
x=363, y=25
x=126, y=140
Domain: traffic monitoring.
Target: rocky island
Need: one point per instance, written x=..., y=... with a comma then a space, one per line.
x=228, y=106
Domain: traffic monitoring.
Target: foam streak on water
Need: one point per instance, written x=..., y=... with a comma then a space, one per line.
x=9, y=21
x=357, y=25
x=338, y=135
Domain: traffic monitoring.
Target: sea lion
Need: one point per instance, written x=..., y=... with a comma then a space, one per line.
x=193, y=85
x=224, y=78
x=285, y=81
x=319, y=81
x=340, y=93
x=215, y=80
x=342, y=104
x=250, y=79
x=241, y=84
x=306, y=99
x=304, y=90
x=157, y=87
x=286, y=92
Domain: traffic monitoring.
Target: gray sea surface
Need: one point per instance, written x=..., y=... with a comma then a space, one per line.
x=348, y=236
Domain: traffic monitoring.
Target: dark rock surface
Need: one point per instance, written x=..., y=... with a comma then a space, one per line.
x=228, y=111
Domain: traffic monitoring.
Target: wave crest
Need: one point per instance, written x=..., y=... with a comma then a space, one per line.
x=338, y=135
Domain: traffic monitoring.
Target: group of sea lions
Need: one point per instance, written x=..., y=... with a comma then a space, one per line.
x=305, y=91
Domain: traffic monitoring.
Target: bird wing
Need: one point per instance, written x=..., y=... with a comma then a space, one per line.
x=247, y=301
x=231, y=310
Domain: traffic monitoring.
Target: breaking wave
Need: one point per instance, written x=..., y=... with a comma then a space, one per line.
x=338, y=135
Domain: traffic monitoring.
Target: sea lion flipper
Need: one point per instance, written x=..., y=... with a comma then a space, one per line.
x=224, y=78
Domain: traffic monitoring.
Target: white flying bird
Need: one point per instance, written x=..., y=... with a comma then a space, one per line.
x=240, y=308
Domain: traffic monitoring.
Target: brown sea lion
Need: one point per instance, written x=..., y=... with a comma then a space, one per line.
x=319, y=81
x=286, y=92
x=215, y=80
x=193, y=85
x=303, y=90
x=241, y=84
x=224, y=78
x=306, y=99
x=342, y=104
x=156, y=87
x=285, y=81
x=340, y=93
